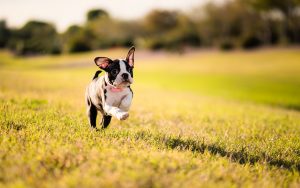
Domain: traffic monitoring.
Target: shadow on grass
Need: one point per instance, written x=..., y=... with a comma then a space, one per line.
x=295, y=107
x=241, y=157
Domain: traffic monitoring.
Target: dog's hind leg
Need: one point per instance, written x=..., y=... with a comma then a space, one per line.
x=105, y=121
x=91, y=110
x=92, y=114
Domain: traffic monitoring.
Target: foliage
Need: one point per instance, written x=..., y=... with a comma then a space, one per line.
x=228, y=25
x=35, y=37
x=226, y=45
x=96, y=14
x=110, y=33
x=236, y=23
x=291, y=16
x=251, y=42
x=169, y=30
x=77, y=39
x=4, y=34
x=286, y=6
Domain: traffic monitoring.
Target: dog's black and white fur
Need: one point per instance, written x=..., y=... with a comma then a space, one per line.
x=110, y=94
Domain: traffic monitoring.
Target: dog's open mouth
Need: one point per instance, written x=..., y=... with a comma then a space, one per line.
x=126, y=81
x=123, y=84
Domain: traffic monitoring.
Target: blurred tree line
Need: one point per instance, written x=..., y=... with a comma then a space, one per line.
x=233, y=24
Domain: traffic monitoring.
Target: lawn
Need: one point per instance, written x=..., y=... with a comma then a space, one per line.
x=201, y=119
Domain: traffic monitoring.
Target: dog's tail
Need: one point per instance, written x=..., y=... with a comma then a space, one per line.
x=96, y=74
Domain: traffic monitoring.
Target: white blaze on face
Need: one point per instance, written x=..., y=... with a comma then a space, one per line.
x=123, y=70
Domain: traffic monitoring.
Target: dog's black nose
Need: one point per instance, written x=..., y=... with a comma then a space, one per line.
x=125, y=76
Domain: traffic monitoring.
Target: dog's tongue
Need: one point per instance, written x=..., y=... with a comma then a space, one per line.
x=115, y=89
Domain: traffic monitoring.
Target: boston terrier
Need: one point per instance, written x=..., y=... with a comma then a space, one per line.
x=110, y=94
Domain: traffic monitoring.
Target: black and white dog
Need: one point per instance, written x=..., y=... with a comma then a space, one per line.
x=110, y=94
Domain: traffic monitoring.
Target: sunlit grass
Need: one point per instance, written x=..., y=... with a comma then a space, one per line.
x=202, y=119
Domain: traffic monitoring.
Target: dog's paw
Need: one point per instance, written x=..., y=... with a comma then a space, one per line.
x=122, y=115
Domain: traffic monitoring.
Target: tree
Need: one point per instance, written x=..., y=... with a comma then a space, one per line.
x=159, y=21
x=36, y=37
x=4, y=34
x=77, y=39
x=231, y=24
x=287, y=7
x=170, y=30
x=107, y=32
x=290, y=11
x=96, y=14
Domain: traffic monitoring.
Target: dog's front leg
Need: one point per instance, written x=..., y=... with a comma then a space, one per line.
x=116, y=112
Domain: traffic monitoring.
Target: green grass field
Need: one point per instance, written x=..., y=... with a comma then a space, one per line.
x=202, y=119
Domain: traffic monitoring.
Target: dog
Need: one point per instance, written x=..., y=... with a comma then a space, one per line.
x=110, y=94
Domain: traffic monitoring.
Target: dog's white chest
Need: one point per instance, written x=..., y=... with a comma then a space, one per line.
x=114, y=97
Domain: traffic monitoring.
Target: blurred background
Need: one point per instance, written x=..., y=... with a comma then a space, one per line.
x=56, y=27
x=242, y=50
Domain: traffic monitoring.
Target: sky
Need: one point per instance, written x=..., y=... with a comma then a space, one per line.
x=64, y=13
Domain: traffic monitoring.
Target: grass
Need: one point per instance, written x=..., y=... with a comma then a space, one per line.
x=199, y=120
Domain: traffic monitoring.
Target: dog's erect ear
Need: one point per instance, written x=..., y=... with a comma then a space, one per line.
x=130, y=56
x=102, y=62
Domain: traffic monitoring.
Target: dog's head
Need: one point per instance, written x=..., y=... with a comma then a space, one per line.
x=119, y=71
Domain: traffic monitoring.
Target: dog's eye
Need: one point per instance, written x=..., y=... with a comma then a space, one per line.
x=114, y=71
